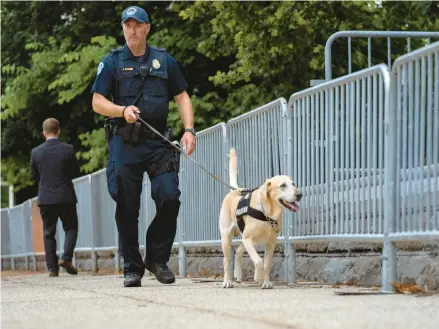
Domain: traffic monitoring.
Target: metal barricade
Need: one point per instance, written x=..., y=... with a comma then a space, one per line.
x=202, y=196
x=6, y=241
x=20, y=232
x=336, y=156
x=414, y=131
x=82, y=187
x=371, y=35
x=16, y=230
x=103, y=212
x=259, y=138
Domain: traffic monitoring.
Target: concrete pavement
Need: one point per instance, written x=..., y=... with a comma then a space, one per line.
x=87, y=301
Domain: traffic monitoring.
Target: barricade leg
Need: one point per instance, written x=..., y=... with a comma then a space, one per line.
x=182, y=261
x=388, y=269
x=117, y=260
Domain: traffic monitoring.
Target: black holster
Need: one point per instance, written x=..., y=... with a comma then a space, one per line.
x=168, y=162
x=108, y=131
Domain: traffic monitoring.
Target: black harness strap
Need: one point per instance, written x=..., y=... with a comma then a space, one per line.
x=245, y=209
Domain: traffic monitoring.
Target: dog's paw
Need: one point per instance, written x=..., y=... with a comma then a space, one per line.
x=227, y=284
x=267, y=285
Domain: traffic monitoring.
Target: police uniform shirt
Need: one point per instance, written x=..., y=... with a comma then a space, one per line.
x=106, y=74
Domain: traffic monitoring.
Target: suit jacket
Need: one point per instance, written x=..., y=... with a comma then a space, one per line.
x=53, y=166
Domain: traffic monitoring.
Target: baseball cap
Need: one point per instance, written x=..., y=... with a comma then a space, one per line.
x=135, y=12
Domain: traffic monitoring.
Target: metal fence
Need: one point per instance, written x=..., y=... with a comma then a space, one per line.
x=202, y=196
x=337, y=156
x=363, y=148
x=370, y=35
x=413, y=117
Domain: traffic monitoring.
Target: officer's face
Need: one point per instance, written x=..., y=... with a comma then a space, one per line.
x=135, y=33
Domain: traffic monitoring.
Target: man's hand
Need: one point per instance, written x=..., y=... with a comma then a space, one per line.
x=188, y=142
x=130, y=113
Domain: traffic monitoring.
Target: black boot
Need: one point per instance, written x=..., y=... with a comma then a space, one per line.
x=161, y=271
x=132, y=280
x=68, y=266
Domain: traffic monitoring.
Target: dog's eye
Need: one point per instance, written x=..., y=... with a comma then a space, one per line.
x=283, y=185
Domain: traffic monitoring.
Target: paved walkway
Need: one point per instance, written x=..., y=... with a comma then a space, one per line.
x=86, y=301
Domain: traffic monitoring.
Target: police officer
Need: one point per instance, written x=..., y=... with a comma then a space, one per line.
x=140, y=79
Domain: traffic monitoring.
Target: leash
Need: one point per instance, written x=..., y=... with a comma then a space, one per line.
x=185, y=154
x=175, y=146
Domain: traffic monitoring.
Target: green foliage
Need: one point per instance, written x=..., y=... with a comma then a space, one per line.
x=4, y=196
x=15, y=170
x=235, y=56
x=80, y=68
x=95, y=152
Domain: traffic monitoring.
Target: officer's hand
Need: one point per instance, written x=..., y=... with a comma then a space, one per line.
x=188, y=142
x=130, y=114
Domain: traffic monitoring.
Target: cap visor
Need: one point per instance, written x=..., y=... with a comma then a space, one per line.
x=137, y=19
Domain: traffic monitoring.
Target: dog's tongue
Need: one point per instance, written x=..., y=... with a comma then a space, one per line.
x=293, y=206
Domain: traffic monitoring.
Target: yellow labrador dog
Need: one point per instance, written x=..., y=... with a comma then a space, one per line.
x=257, y=215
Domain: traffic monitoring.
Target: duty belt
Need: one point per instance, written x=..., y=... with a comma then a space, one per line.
x=143, y=133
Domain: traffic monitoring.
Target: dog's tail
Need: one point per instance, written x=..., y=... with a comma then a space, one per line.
x=233, y=168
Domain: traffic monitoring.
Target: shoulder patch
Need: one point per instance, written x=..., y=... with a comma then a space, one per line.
x=100, y=67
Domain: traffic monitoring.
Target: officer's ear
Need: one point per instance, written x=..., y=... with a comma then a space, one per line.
x=147, y=27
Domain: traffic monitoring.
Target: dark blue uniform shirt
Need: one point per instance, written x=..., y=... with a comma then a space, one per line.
x=105, y=77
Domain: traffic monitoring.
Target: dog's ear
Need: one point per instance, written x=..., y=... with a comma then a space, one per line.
x=266, y=189
x=266, y=199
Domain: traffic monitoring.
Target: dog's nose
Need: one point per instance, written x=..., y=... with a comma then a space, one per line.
x=299, y=196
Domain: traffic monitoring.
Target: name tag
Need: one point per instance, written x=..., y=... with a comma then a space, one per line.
x=241, y=211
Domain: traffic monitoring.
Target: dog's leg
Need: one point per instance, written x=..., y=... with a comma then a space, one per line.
x=268, y=260
x=259, y=264
x=226, y=239
x=238, y=263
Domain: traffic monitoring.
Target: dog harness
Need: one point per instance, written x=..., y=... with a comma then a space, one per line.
x=245, y=209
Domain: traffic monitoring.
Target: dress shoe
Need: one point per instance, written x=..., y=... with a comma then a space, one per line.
x=161, y=271
x=132, y=280
x=68, y=266
x=52, y=274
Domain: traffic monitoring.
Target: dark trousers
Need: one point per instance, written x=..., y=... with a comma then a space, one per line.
x=125, y=170
x=69, y=218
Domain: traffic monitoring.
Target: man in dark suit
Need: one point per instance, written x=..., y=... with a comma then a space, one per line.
x=53, y=166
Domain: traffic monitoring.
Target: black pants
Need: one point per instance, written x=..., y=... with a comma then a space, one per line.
x=125, y=170
x=69, y=218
